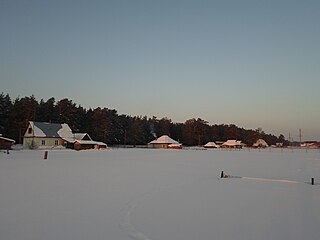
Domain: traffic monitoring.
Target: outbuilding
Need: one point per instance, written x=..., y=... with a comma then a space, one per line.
x=83, y=141
x=211, y=145
x=260, y=144
x=163, y=142
x=6, y=143
x=232, y=144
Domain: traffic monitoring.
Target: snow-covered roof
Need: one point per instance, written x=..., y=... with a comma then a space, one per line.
x=65, y=131
x=260, y=142
x=232, y=143
x=7, y=139
x=81, y=136
x=211, y=144
x=78, y=137
x=165, y=139
x=55, y=130
x=88, y=142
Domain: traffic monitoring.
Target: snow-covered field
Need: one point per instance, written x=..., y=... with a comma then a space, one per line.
x=142, y=194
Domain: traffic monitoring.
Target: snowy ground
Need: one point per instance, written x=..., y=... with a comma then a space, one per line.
x=142, y=194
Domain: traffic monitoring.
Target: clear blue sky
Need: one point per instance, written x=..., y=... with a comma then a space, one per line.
x=250, y=63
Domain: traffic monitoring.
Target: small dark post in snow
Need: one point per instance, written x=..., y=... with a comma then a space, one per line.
x=312, y=181
x=222, y=174
x=45, y=155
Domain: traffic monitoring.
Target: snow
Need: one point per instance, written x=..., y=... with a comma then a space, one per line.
x=80, y=136
x=232, y=143
x=7, y=139
x=211, y=145
x=37, y=131
x=65, y=131
x=164, y=140
x=155, y=194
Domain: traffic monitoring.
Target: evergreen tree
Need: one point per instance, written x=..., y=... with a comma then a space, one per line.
x=5, y=109
x=23, y=111
x=46, y=111
x=106, y=125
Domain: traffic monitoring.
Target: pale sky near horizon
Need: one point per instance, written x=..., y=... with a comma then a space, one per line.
x=252, y=63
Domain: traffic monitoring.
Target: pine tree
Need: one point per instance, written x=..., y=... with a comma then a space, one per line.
x=5, y=109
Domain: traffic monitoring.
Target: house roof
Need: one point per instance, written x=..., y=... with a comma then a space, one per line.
x=165, y=139
x=232, y=143
x=88, y=142
x=211, y=144
x=54, y=130
x=260, y=142
x=7, y=139
x=81, y=136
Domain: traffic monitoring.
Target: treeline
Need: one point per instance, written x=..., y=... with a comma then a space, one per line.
x=108, y=126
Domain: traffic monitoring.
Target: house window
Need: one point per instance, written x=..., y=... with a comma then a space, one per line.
x=56, y=142
x=29, y=130
x=43, y=142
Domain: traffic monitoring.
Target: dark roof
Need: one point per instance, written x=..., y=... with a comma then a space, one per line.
x=49, y=129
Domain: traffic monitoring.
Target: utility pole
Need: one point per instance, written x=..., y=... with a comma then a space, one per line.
x=289, y=139
x=300, y=136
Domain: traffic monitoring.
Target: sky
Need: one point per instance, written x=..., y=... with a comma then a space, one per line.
x=253, y=63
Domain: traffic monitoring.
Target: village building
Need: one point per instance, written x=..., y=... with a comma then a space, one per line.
x=175, y=146
x=260, y=143
x=310, y=144
x=46, y=135
x=6, y=143
x=279, y=145
x=211, y=145
x=83, y=141
x=164, y=142
x=55, y=135
x=219, y=143
x=232, y=144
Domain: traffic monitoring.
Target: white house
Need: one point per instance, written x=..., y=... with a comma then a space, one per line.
x=211, y=145
x=260, y=144
x=56, y=135
x=164, y=142
x=232, y=144
x=46, y=135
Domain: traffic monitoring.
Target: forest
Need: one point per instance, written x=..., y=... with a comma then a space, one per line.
x=106, y=125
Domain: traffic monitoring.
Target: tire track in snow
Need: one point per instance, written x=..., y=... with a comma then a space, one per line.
x=126, y=222
x=270, y=180
x=127, y=225
x=265, y=179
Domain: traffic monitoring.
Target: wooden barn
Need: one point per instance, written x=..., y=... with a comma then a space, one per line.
x=6, y=143
x=83, y=141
